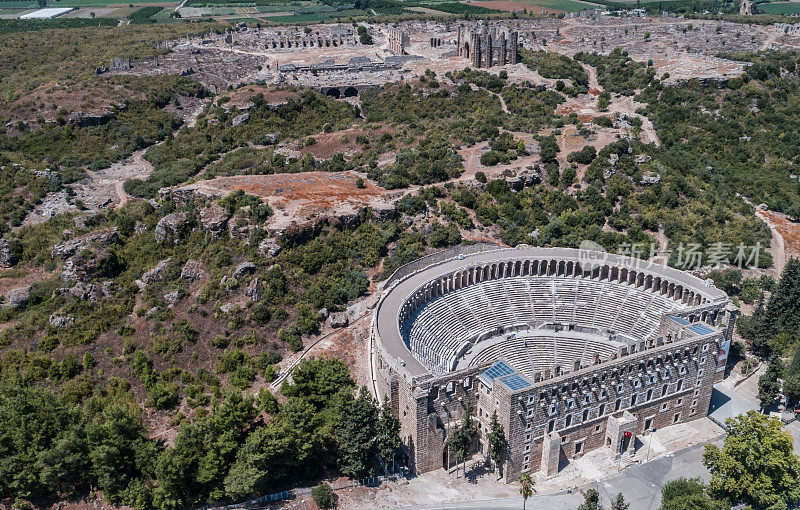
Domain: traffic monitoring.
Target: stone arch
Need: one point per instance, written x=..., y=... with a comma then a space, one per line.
x=350, y=92
x=604, y=273
x=570, y=268
x=623, y=275
x=614, y=274
x=562, y=268
x=333, y=92
x=518, y=268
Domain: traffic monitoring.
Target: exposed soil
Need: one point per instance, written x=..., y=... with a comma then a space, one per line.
x=302, y=196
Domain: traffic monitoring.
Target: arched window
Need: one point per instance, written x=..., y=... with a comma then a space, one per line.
x=568, y=421
x=551, y=426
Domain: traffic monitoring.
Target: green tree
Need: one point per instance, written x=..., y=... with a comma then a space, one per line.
x=619, y=503
x=683, y=493
x=769, y=386
x=319, y=380
x=756, y=463
x=497, y=442
x=526, y=488
x=463, y=436
x=591, y=500
x=356, y=433
x=387, y=436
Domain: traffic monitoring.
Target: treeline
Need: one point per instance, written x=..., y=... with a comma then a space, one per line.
x=775, y=322
x=52, y=447
x=10, y=26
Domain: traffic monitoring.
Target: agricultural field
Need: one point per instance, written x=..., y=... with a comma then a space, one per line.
x=563, y=5
x=780, y=8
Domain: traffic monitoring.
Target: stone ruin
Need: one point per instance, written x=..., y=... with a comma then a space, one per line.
x=485, y=47
x=397, y=41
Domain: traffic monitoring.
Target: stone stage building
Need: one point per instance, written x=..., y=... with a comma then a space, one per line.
x=573, y=353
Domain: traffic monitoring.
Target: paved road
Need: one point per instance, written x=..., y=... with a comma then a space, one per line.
x=640, y=484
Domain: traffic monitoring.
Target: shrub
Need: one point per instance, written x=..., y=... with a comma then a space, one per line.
x=323, y=496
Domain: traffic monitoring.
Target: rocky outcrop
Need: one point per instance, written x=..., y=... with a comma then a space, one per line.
x=214, y=218
x=103, y=237
x=240, y=227
x=193, y=271
x=88, y=291
x=338, y=320
x=243, y=269
x=253, y=291
x=89, y=220
x=61, y=321
x=172, y=298
x=240, y=119
x=158, y=273
x=90, y=263
x=19, y=298
x=172, y=226
x=8, y=253
x=269, y=248
x=81, y=119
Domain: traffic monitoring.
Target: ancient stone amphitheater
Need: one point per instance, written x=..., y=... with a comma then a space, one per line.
x=572, y=352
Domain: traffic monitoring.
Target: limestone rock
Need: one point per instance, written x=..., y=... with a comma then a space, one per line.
x=214, y=218
x=61, y=321
x=89, y=263
x=269, y=247
x=172, y=225
x=244, y=268
x=103, y=237
x=18, y=298
x=158, y=273
x=89, y=220
x=8, y=253
x=240, y=227
x=193, y=271
x=338, y=320
x=241, y=119
x=172, y=297
x=253, y=291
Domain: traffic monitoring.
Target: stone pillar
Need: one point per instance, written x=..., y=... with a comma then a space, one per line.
x=512, y=56
x=502, y=44
x=551, y=454
x=487, y=54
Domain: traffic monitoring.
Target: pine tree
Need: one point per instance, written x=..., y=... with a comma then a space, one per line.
x=768, y=385
x=387, y=436
x=497, y=441
x=463, y=436
x=355, y=435
x=591, y=499
x=619, y=503
x=782, y=313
